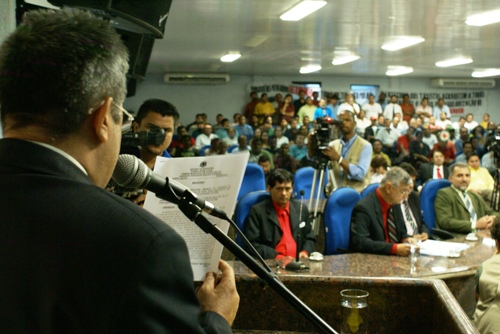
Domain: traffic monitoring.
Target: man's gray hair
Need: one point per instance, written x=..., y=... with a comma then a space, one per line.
x=458, y=165
x=396, y=176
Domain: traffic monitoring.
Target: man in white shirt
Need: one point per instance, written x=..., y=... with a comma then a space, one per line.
x=206, y=137
x=388, y=137
x=393, y=108
x=349, y=105
x=362, y=123
x=429, y=138
x=443, y=122
x=441, y=107
x=424, y=110
x=470, y=123
x=400, y=126
x=280, y=139
x=372, y=108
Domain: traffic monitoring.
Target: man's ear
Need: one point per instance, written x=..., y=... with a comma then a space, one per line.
x=103, y=119
x=135, y=126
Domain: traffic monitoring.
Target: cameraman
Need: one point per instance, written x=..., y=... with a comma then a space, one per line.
x=349, y=156
x=158, y=116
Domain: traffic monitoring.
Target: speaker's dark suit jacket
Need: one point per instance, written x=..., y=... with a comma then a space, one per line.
x=263, y=230
x=414, y=202
x=76, y=258
x=367, y=227
x=426, y=171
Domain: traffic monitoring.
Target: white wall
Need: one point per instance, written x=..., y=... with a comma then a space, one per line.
x=232, y=97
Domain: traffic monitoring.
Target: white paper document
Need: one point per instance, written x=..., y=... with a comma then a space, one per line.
x=216, y=179
x=442, y=248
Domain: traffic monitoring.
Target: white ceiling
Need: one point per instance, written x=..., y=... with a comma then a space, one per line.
x=199, y=32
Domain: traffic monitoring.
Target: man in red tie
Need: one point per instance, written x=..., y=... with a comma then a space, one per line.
x=434, y=170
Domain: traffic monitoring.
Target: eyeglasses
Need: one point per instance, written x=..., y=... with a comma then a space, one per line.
x=126, y=123
x=404, y=192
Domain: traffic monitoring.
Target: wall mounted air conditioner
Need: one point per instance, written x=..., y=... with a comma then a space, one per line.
x=196, y=78
x=463, y=83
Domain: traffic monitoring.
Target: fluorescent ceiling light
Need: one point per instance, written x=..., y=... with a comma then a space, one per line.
x=230, y=57
x=398, y=70
x=486, y=72
x=483, y=19
x=302, y=9
x=344, y=59
x=310, y=69
x=400, y=42
x=454, y=62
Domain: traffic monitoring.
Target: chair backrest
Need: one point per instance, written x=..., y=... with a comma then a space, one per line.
x=253, y=180
x=243, y=209
x=368, y=189
x=337, y=217
x=303, y=180
x=231, y=148
x=203, y=149
x=427, y=197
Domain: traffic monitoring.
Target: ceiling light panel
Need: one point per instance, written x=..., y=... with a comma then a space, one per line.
x=486, y=72
x=398, y=70
x=302, y=9
x=454, y=62
x=230, y=57
x=483, y=19
x=400, y=42
x=309, y=69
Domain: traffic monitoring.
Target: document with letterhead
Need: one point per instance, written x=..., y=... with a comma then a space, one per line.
x=216, y=179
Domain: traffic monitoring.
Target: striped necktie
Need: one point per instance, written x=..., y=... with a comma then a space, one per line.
x=409, y=217
x=470, y=207
x=391, y=226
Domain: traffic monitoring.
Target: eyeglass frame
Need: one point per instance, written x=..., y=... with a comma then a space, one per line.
x=126, y=125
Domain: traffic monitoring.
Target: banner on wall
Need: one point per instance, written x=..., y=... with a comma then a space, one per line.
x=460, y=102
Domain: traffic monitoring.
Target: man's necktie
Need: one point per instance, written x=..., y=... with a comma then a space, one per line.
x=439, y=173
x=409, y=217
x=391, y=227
x=470, y=207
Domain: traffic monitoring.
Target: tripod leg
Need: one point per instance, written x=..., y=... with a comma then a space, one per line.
x=311, y=195
x=315, y=222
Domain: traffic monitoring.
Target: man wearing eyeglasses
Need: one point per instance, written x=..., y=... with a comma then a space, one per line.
x=374, y=228
x=74, y=257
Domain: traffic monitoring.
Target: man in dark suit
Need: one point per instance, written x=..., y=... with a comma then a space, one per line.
x=76, y=258
x=458, y=210
x=436, y=170
x=374, y=226
x=274, y=225
x=409, y=212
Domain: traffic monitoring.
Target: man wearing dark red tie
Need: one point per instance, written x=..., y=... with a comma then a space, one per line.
x=436, y=170
x=374, y=228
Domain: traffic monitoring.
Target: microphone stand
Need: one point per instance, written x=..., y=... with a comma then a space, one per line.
x=297, y=264
x=193, y=213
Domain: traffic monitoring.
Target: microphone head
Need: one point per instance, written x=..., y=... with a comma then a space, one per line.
x=302, y=193
x=130, y=172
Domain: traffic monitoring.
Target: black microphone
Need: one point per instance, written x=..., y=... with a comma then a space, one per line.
x=133, y=173
x=297, y=264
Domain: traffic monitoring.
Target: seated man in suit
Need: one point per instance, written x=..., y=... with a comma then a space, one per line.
x=374, y=226
x=458, y=210
x=274, y=225
x=436, y=170
x=409, y=212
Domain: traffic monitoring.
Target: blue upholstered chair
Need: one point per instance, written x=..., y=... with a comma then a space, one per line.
x=243, y=209
x=231, y=148
x=303, y=181
x=337, y=217
x=253, y=180
x=203, y=149
x=368, y=189
x=427, y=197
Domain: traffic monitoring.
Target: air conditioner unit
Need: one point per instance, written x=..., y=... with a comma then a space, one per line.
x=196, y=79
x=463, y=83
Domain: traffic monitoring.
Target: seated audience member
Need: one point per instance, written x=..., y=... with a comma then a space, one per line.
x=442, y=123
x=323, y=110
x=206, y=137
x=191, y=127
x=243, y=128
x=371, y=130
x=265, y=163
x=463, y=137
x=466, y=151
x=293, y=131
x=458, y=210
x=424, y=110
x=280, y=139
x=231, y=138
x=392, y=108
x=487, y=314
x=441, y=107
x=272, y=146
x=378, y=169
x=286, y=109
x=267, y=127
x=177, y=142
x=249, y=109
x=299, y=150
x=307, y=109
x=349, y=105
x=306, y=122
x=434, y=170
x=242, y=145
x=218, y=123
x=254, y=122
x=486, y=121
x=413, y=174
x=372, y=108
x=284, y=160
x=476, y=146
x=236, y=119
x=214, y=147
x=447, y=148
x=407, y=108
x=264, y=108
x=374, y=228
x=377, y=152
x=273, y=226
x=349, y=156
x=362, y=123
x=200, y=125
x=256, y=151
x=187, y=149
x=380, y=122
x=223, y=128
x=388, y=137
x=470, y=123
x=481, y=181
x=429, y=138
x=399, y=125
x=432, y=125
x=419, y=151
x=403, y=145
x=264, y=137
x=409, y=211
x=488, y=162
x=221, y=148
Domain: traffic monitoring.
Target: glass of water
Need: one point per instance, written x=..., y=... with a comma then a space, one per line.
x=354, y=304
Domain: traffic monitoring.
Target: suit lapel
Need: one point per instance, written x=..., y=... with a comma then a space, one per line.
x=271, y=213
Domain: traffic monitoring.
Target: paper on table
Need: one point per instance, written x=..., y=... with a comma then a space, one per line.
x=216, y=179
x=441, y=248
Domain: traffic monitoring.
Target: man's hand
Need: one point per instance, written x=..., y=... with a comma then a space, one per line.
x=219, y=295
x=331, y=153
x=303, y=255
x=485, y=222
x=403, y=250
x=421, y=237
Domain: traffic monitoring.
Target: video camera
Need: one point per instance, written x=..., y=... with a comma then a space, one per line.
x=325, y=131
x=132, y=142
x=495, y=147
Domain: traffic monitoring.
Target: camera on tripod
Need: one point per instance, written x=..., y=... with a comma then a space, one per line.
x=132, y=142
x=325, y=131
